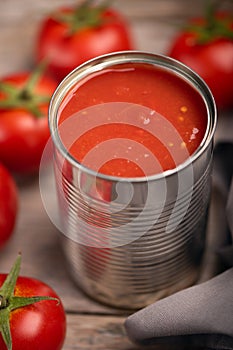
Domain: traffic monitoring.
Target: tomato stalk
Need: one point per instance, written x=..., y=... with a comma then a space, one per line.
x=10, y=302
x=214, y=27
x=25, y=97
x=85, y=16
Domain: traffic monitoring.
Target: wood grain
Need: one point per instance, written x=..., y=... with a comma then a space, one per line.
x=97, y=333
x=90, y=324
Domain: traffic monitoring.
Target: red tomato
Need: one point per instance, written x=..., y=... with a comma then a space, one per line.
x=24, y=120
x=72, y=36
x=209, y=52
x=8, y=205
x=41, y=325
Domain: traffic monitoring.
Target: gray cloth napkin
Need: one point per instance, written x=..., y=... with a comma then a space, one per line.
x=200, y=316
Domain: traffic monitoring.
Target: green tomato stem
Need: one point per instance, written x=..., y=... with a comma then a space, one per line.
x=7, y=289
x=9, y=302
x=214, y=27
x=25, y=97
x=3, y=302
x=35, y=77
x=5, y=328
x=84, y=16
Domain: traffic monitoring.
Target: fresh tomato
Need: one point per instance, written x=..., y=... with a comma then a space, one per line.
x=72, y=36
x=206, y=46
x=31, y=312
x=24, y=130
x=8, y=205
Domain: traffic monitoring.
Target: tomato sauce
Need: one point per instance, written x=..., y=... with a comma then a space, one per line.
x=132, y=120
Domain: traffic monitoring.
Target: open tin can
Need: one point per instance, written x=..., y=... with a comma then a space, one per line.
x=146, y=238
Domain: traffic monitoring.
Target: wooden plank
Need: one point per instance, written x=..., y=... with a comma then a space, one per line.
x=104, y=333
x=96, y=333
x=14, y=10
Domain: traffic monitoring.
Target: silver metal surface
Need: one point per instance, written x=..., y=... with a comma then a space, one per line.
x=131, y=253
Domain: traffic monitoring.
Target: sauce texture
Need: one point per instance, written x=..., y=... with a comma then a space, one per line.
x=132, y=121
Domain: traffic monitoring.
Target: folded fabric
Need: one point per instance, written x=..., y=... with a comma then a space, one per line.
x=223, y=182
x=219, y=247
x=200, y=316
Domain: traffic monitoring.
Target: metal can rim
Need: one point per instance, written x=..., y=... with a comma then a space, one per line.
x=133, y=56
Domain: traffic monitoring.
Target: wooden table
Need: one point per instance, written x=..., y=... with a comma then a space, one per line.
x=90, y=324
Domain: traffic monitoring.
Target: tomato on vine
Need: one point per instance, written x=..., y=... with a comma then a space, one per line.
x=71, y=36
x=206, y=46
x=24, y=101
x=32, y=316
x=8, y=205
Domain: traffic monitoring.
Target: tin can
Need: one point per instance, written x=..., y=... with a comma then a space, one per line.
x=147, y=241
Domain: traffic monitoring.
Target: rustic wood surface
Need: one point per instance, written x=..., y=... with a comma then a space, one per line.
x=90, y=324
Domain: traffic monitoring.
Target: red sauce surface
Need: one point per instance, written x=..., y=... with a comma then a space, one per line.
x=132, y=121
